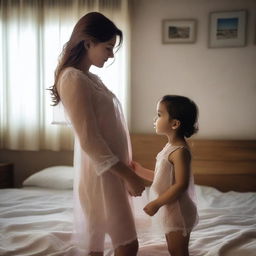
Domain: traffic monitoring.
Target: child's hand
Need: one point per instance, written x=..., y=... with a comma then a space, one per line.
x=136, y=166
x=151, y=208
x=146, y=175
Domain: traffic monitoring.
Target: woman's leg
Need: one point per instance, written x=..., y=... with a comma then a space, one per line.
x=130, y=249
x=178, y=243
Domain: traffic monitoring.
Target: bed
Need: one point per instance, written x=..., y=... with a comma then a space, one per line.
x=37, y=219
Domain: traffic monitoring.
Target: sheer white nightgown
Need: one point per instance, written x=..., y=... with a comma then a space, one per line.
x=101, y=140
x=181, y=214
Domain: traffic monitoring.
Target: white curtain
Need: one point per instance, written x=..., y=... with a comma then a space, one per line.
x=32, y=34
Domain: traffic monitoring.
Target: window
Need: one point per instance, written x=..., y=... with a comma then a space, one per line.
x=32, y=34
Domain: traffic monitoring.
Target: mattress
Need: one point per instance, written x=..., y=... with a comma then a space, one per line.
x=38, y=221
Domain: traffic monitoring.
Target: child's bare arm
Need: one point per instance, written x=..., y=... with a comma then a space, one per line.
x=181, y=160
x=146, y=183
x=146, y=174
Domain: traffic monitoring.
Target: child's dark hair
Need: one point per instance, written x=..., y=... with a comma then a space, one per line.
x=184, y=110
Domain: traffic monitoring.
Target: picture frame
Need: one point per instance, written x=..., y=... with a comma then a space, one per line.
x=178, y=31
x=227, y=29
x=255, y=33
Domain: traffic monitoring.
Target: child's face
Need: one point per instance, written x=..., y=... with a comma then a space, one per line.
x=162, y=121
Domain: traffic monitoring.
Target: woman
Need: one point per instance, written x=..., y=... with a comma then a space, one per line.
x=102, y=154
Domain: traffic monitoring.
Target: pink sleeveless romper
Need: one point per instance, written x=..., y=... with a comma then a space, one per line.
x=181, y=214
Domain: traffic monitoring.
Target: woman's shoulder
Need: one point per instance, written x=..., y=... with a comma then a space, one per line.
x=73, y=81
x=71, y=73
x=73, y=76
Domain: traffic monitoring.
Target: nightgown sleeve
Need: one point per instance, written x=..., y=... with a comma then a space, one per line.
x=75, y=91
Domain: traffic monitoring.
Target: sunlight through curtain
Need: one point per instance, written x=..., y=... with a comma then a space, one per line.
x=32, y=34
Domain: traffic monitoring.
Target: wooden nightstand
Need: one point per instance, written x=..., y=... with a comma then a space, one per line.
x=6, y=175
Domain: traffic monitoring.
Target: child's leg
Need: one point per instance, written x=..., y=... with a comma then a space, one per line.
x=96, y=254
x=178, y=243
x=96, y=243
x=128, y=250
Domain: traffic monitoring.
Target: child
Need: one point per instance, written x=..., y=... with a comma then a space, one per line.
x=172, y=191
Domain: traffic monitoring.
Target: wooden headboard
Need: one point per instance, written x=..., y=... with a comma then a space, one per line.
x=223, y=164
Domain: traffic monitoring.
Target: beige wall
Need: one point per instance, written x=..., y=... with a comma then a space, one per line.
x=28, y=162
x=221, y=81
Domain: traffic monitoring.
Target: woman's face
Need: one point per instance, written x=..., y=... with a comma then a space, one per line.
x=99, y=53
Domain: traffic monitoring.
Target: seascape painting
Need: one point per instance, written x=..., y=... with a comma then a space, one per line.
x=227, y=28
x=178, y=32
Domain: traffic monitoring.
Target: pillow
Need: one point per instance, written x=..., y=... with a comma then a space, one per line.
x=55, y=177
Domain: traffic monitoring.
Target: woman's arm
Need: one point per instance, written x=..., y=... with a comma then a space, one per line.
x=75, y=91
x=181, y=160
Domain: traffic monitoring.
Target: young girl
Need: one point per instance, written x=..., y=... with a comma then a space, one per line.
x=172, y=191
x=102, y=144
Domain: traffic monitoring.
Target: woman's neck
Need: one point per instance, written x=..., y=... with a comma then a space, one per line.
x=84, y=65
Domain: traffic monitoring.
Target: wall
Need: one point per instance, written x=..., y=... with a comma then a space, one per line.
x=221, y=81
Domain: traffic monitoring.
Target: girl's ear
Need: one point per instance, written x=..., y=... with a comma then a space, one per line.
x=175, y=124
x=86, y=44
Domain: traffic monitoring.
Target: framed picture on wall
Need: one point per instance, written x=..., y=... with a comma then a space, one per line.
x=178, y=31
x=255, y=33
x=227, y=29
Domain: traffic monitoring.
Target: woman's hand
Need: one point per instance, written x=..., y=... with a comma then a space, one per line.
x=151, y=208
x=134, y=185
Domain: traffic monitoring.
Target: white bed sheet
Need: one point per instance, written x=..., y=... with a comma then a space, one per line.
x=37, y=221
x=227, y=226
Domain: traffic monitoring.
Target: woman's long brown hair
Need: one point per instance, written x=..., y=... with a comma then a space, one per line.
x=93, y=26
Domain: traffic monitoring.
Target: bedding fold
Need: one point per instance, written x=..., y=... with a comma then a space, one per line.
x=38, y=222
